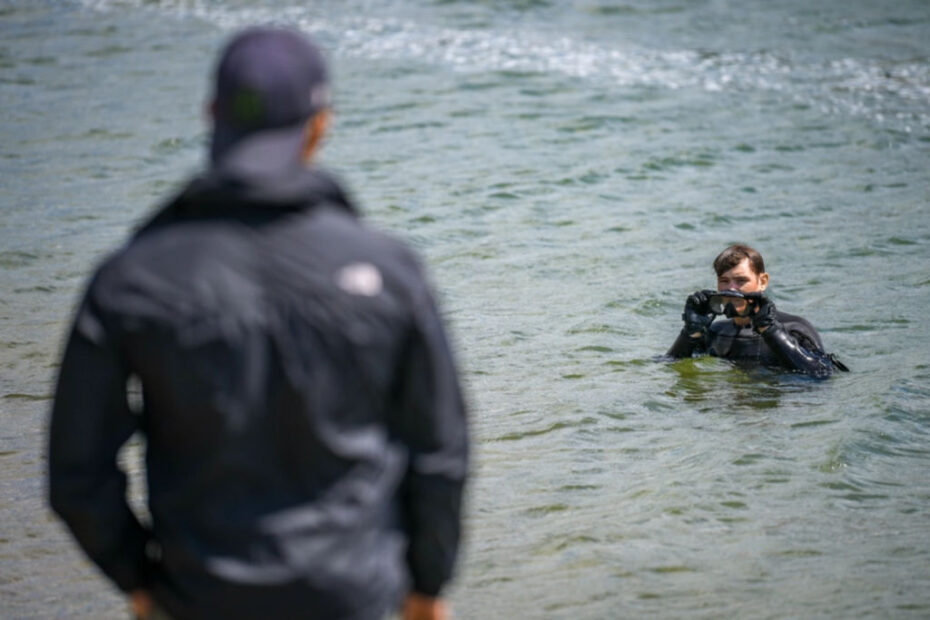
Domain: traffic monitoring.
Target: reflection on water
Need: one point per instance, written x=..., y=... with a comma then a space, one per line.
x=734, y=385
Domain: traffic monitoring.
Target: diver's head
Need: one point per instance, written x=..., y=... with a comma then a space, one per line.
x=741, y=268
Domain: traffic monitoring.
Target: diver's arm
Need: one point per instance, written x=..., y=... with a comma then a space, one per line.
x=692, y=337
x=786, y=346
x=685, y=345
x=794, y=355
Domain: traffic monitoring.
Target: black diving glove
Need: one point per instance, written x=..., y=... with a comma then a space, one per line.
x=764, y=316
x=697, y=315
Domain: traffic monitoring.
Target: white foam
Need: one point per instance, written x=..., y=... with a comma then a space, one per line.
x=873, y=88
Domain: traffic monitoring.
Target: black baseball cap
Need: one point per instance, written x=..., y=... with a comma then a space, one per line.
x=269, y=81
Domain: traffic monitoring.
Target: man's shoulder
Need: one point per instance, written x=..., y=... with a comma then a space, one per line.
x=113, y=267
x=343, y=239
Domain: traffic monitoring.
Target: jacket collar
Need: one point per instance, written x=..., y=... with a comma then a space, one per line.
x=218, y=194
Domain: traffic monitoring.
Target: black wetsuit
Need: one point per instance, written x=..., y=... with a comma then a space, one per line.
x=791, y=342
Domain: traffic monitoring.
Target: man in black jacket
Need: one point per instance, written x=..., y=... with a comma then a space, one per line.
x=306, y=443
x=756, y=331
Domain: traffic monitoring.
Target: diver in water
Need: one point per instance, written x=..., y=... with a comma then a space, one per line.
x=753, y=329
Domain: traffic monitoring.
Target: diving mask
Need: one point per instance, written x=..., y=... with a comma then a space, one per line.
x=731, y=303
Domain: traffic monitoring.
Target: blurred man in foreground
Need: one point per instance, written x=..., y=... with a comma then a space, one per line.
x=754, y=329
x=306, y=444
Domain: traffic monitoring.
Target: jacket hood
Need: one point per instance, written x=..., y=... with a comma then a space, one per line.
x=216, y=194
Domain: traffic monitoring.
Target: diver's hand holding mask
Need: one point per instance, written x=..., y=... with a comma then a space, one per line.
x=756, y=306
x=697, y=315
x=698, y=303
x=764, y=316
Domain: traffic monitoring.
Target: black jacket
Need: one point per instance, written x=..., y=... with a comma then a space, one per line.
x=305, y=433
x=791, y=343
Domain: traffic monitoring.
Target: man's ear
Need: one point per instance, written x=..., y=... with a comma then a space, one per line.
x=763, y=280
x=314, y=131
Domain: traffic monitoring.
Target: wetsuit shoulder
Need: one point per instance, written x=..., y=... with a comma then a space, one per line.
x=801, y=329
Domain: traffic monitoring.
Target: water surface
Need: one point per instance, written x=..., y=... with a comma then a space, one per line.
x=569, y=170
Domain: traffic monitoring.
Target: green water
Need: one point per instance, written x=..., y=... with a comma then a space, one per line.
x=568, y=170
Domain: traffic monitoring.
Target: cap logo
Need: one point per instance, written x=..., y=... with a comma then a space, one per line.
x=247, y=108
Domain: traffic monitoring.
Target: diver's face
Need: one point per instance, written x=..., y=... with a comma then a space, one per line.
x=743, y=279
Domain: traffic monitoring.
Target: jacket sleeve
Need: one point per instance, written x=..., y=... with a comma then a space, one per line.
x=431, y=422
x=798, y=350
x=90, y=421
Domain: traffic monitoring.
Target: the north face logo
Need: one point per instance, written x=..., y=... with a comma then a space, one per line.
x=360, y=279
